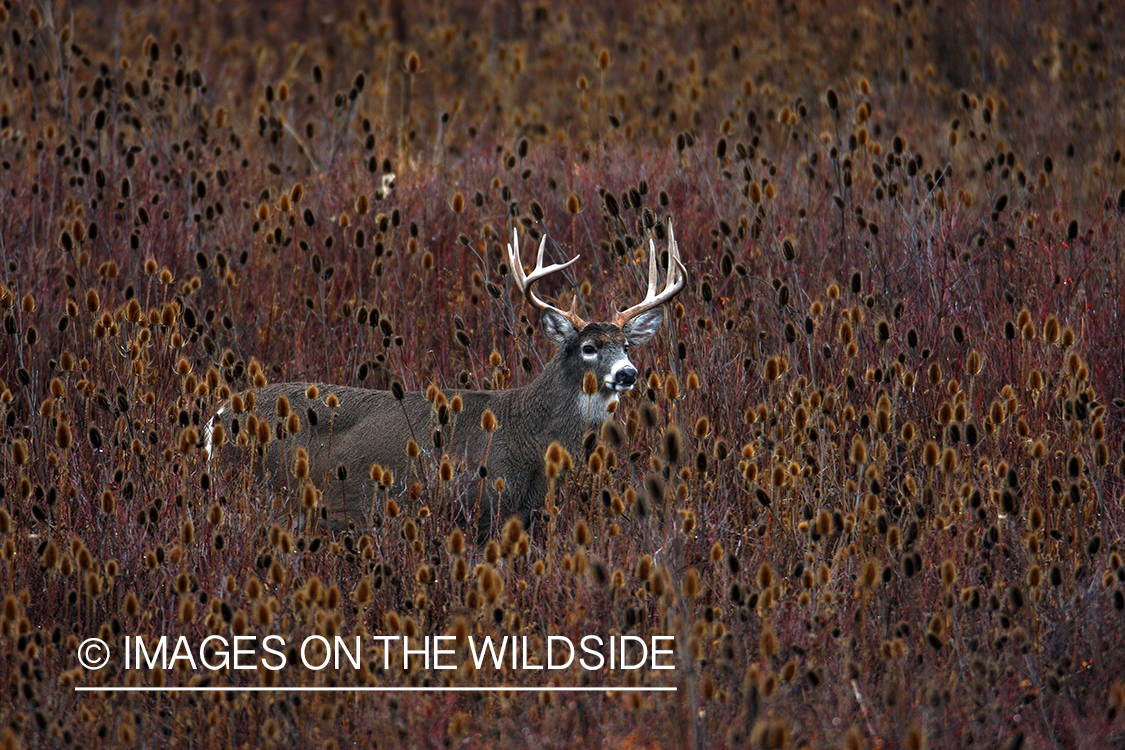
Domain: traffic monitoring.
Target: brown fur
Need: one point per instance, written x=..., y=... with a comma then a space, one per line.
x=372, y=427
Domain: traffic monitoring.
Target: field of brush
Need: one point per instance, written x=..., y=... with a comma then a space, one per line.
x=871, y=482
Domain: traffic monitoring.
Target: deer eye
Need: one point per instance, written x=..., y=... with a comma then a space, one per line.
x=589, y=349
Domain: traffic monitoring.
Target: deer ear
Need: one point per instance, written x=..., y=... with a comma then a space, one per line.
x=643, y=327
x=558, y=329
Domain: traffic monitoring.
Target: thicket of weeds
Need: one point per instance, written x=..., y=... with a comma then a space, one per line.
x=871, y=483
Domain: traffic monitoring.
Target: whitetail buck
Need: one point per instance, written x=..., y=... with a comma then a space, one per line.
x=366, y=427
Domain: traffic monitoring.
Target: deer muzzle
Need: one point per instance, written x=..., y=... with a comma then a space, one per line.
x=623, y=376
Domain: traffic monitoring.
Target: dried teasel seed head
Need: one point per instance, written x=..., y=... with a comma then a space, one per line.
x=19, y=452
x=554, y=454
x=949, y=460
x=362, y=591
x=644, y=568
x=765, y=576
x=671, y=388
x=63, y=436
x=456, y=542
x=858, y=452
x=589, y=384
x=687, y=522
x=218, y=434
x=690, y=584
x=1051, y=329
x=672, y=444
x=702, y=428
x=973, y=362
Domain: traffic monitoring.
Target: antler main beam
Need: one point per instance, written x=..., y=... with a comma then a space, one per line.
x=525, y=282
x=673, y=283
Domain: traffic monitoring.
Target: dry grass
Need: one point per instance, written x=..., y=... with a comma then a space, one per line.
x=891, y=517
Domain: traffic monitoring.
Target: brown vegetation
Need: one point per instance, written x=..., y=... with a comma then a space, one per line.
x=872, y=482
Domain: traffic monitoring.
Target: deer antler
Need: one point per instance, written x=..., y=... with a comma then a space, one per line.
x=525, y=282
x=673, y=284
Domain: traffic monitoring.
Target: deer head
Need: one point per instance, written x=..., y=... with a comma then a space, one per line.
x=600, y=348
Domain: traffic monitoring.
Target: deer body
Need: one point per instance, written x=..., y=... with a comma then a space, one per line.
x=367, y=427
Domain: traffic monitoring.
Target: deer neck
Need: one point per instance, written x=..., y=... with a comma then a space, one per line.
x=556, y=407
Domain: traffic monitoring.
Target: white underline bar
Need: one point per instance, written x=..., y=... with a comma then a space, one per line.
x=259, y=689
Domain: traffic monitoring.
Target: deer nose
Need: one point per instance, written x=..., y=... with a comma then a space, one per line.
x=626, y=376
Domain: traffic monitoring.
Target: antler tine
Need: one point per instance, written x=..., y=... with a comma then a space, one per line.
x=674, y=282
x=525, y=282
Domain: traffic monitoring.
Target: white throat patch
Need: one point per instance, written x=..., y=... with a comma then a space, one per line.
x=594, y=408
